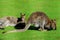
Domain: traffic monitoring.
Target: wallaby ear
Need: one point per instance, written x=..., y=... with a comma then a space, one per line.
x=54, y=20
x=21, y=14
x=24, y=14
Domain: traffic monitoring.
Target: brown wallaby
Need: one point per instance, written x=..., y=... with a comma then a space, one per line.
x=39, y=19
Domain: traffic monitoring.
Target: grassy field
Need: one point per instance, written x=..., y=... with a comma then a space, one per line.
x=15, y=7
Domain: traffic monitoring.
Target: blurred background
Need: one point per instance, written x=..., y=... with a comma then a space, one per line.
x=15, y=7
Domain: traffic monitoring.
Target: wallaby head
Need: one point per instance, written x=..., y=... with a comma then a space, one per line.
x=53, y=24
x=21, y=18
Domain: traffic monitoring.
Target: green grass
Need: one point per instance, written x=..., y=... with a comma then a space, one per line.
x=15, y=7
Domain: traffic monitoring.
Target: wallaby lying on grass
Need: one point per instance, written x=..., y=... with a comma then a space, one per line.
x=39, y=19
x=10, y=21
x=7, y=21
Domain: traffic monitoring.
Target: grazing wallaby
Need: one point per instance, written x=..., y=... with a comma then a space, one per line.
x=39, y=19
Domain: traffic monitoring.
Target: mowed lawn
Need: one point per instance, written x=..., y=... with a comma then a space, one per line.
x=15, y=7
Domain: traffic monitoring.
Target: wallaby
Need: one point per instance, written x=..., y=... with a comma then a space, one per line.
x=39, y=19
x=10, y=21
x=7, y=21
x=20, y=22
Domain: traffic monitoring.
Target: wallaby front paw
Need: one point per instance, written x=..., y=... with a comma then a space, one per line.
x=42, y=29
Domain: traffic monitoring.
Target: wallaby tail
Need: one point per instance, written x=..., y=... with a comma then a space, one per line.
x=12, y=31
x=20, y=30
